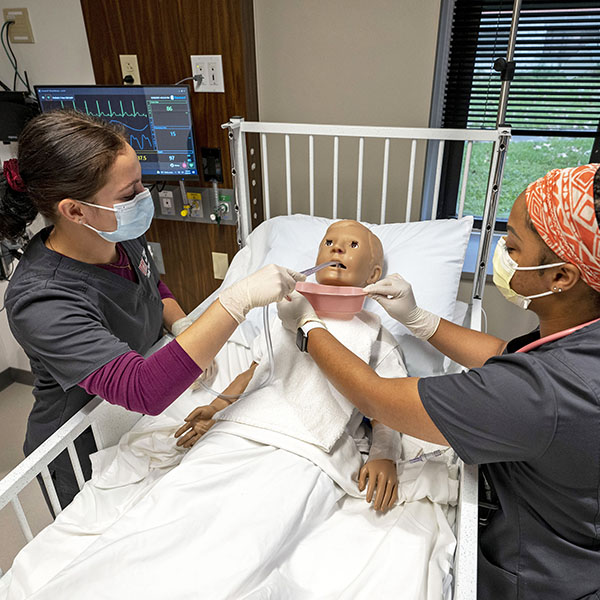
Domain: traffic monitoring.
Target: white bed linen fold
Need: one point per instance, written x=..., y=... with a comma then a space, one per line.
x=241, y=519
x=258, y=521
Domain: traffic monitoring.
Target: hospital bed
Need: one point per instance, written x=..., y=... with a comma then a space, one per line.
x=314, y=170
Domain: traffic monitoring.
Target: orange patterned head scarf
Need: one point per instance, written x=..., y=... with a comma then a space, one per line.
x=561, y=206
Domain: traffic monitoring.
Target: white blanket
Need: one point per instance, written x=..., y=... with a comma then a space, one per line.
x=237, y=519
x=240, y=519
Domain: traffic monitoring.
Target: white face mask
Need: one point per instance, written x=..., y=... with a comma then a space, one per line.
x=504, y=269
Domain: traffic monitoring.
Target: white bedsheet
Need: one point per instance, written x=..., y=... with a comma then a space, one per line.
x=237, y=518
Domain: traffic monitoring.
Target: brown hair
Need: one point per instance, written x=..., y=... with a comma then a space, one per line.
x=62, y=154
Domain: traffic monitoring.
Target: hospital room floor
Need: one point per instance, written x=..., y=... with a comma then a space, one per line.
x=15, y=404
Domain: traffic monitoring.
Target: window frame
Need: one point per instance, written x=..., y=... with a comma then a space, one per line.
x=453, y=154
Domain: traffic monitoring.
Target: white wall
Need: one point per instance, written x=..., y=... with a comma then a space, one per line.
x=60, y=54
x=346, y=61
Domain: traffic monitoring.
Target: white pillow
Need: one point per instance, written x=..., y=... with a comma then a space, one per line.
x=429, y=254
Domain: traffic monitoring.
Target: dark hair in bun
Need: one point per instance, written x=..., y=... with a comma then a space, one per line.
x=62, y=154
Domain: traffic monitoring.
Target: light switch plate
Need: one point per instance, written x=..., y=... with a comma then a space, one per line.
x=129, y=66
x=210, y=66
x=220, y=264
x=20, y=31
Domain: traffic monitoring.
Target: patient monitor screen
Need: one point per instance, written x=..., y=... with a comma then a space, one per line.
x=157, y=122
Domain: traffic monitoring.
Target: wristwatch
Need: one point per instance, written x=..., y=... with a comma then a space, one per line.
x=302, y=335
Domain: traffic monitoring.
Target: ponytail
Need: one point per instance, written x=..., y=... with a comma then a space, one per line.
x=17, y=210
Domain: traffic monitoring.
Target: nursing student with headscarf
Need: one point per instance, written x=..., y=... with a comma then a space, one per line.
x=527, y=410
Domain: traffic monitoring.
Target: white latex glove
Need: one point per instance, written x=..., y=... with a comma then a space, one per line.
x=181, y=325
x=395, y=294
x=211, y=371
x=386, y=443
x=296, y=312
x=269, y=284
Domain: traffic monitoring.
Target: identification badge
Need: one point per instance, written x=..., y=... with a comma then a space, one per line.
x=144, y=266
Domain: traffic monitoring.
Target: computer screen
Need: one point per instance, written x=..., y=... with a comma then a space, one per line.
x=157, y=121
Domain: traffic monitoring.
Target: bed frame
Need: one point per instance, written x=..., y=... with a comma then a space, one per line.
x=109, y=422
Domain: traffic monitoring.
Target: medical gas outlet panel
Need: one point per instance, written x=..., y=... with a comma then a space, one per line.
x=200, y=205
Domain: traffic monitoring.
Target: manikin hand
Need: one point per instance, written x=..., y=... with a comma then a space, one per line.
x=296, y=312
x=198, y=422
x=270, y=284
x=396, y=296
x=382, y=483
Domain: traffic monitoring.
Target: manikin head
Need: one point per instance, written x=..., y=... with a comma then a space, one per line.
x=356, y=248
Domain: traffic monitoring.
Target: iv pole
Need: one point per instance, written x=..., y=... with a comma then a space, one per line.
x=506, y=66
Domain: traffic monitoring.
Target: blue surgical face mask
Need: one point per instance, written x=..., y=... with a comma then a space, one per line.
x=133, y=218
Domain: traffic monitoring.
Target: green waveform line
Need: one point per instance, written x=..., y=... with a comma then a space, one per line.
x=111, y=112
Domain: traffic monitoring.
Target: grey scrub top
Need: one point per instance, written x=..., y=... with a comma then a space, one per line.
x=72, y=318
x=533, y=420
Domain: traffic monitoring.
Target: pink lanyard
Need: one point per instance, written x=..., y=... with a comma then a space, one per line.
x=554, y=336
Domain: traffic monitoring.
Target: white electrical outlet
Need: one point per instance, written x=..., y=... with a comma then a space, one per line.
x=129, y=66
x=210, y=66
x=167, y=207
x=20, y=31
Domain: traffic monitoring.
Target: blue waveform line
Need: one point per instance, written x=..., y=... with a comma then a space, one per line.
x=140, y=145
x=128, y=126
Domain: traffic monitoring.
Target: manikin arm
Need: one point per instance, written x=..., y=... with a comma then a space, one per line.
x=200, y=420
x=380, y=469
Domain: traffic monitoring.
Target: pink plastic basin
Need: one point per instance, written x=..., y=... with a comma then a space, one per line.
x=334, y=301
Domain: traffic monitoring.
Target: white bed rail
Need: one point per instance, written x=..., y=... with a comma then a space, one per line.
x=245, y=178
x=107, y=423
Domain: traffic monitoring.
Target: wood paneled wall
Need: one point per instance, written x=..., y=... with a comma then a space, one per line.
x=163, y=34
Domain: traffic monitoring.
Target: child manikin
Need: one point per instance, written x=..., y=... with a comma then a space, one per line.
x=359, y=255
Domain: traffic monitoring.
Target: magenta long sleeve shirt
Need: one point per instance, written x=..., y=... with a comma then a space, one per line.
x=141, y=385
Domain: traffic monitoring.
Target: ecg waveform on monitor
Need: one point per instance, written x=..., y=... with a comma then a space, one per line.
x=116, y=111
x=108, y=112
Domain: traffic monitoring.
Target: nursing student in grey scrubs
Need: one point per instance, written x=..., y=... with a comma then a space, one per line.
x=85, y=301
x=528, y=410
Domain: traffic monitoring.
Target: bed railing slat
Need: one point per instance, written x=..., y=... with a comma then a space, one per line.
x=411, y=179
x=49, y=484
x=265, y=170
x=384, y=182
x=336, y=161
x=96, y=435
x=23, y=524
x=311, y=173
x=438, y=178
x=465, y=177
x=288, y=175
x=76, y=464
x=359, y=184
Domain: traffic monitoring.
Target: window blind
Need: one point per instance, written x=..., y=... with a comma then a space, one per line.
x=556, y=87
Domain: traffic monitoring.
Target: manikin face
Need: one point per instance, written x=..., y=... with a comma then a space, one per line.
x=351, y=244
